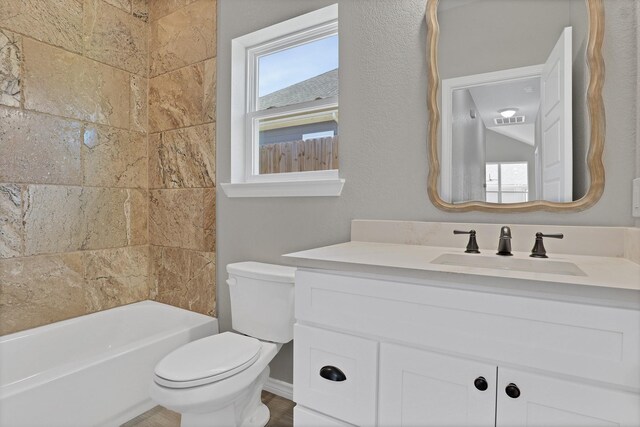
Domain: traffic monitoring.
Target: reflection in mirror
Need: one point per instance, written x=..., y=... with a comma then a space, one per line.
x=514, y=116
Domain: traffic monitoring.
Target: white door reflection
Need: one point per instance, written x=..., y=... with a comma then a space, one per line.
x=514, y=124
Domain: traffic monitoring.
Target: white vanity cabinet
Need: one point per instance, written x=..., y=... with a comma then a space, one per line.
x=421, y=388
x=418, y=353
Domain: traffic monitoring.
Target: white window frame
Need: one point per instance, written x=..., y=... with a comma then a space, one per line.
x=246, y=51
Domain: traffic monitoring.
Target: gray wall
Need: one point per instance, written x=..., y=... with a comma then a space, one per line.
x=383, y=152
x=492, y=35
x=468, y=149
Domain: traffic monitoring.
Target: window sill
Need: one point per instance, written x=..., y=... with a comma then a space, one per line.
x=310, y=188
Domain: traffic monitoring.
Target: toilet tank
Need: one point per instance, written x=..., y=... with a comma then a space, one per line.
x=262, y=300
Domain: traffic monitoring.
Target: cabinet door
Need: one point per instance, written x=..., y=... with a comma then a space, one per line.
x=336, y=374
x=550, y=402
x=420, y=388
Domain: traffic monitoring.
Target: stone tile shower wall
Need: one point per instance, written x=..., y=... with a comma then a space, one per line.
x=77, y=158
x=73, y=158
x=182, y=78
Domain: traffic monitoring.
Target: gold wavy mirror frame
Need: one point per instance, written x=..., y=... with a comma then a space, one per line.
x=596, y=115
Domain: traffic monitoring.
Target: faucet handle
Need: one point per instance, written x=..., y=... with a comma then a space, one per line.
x=472, y=246
x=505, y=232
x=539, y=250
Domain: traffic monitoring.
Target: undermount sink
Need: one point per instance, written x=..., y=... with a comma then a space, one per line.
x=509, y=263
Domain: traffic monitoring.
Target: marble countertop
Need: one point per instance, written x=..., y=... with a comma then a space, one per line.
x=416, y=260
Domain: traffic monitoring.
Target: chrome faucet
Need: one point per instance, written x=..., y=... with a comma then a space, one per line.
x=504, y=244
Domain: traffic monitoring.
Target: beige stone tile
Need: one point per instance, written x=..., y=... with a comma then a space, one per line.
x=115, y=37
x=210, y=219
x=153, y=147
x=69, y=85
x=53, y=219
x=183, y=158
x=176, y=99
x=183, y=37
x=116, y=277
x=113, y=218
x=114, y=158
x=176, y=218
x=64, y=219
x=11, y=228
x=122, y=4
x=10, y=58
x=40, y=290
x=160, y=8
x=140, y=9
x=184, y=278
x=37, y=148
x=57, y=22
x=210, y=78
x=139, y=103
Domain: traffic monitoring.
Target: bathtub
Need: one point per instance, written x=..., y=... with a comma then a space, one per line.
x=94, y=370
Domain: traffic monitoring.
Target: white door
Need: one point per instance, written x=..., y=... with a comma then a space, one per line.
x=550, y=402
x=557, y=132
x=420, y=388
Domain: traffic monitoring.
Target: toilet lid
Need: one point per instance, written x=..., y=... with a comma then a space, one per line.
x=207, y=360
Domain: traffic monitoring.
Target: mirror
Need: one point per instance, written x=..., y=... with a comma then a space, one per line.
x=516, y=119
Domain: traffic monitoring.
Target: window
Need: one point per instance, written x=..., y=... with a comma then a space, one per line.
x=507, y=182
x=284, y=109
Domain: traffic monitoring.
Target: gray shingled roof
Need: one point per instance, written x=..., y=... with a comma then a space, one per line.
x=318, y=87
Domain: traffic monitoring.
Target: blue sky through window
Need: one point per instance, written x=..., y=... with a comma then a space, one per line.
x=291, y=66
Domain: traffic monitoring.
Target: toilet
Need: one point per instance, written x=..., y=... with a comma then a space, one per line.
x=218, y=380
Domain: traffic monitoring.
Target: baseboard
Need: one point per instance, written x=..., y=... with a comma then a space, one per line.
x=279, y=388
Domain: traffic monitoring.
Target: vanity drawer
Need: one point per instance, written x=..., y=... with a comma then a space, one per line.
x=336, y=374
x=587, y=341
x=303, y=417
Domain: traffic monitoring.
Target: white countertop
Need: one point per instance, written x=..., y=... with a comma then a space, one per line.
x=600, y=271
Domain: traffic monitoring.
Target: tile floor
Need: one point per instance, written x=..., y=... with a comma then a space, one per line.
x=281, y=414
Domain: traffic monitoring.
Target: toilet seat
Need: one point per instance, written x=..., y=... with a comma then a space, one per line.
x=207, y=360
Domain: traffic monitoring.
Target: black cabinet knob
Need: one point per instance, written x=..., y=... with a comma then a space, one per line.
x=332, y=373
x=512, y=391
x=481, y=384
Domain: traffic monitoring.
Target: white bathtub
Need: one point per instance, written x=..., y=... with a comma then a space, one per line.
x=94, y=370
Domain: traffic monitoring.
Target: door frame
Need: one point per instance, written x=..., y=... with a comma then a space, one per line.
x=466, y=82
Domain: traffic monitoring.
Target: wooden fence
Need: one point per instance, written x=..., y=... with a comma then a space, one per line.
x=299, y=156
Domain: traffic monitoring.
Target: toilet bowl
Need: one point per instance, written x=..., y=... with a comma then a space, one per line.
x=218, y=380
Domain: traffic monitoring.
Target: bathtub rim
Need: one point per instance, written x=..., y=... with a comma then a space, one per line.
x=16, y=387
